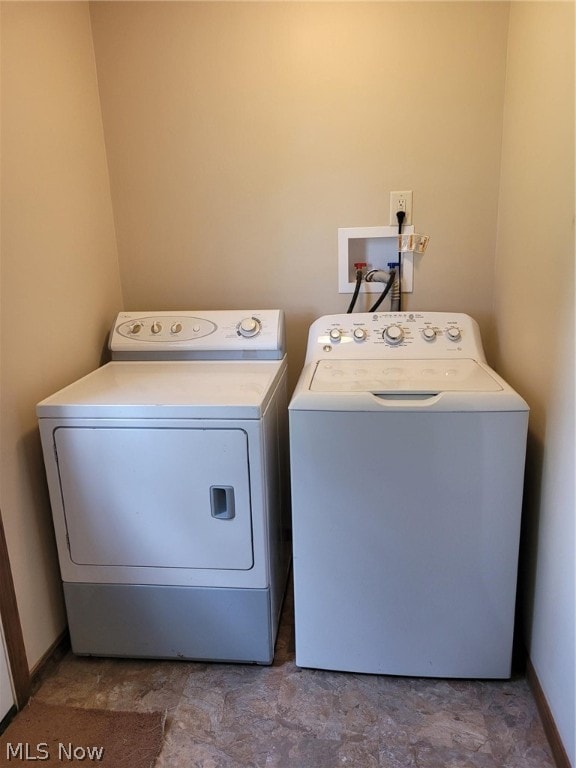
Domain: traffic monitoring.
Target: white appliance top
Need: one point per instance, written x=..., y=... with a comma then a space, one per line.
x=199, y=335
x=214, y=364
x=400, y=361
x=407, y=376
x=173, y=389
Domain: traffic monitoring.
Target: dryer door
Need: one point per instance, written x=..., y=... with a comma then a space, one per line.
x=159, y=497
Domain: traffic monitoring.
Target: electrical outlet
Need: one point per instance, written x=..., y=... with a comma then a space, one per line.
x=400, y=201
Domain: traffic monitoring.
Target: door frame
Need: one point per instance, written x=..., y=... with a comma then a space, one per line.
x=13, y=636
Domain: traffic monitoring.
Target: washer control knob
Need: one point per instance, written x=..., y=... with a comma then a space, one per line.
x=335, y=334
x=156, y=327
x=393, y=334
x=429, y=334
x=454, y=333
x=360, y=334
x=249, y=326
x=135, y=328
x=176, y=328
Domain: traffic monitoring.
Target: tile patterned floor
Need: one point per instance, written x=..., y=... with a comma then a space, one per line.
x=243, y=716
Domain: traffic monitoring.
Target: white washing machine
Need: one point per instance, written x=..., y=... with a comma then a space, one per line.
x=407, y=463
x=167, y=472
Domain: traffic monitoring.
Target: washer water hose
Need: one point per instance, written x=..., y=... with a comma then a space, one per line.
x=380, y=276
x=360, y=267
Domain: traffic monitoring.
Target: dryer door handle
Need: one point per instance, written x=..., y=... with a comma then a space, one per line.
x=222, y=502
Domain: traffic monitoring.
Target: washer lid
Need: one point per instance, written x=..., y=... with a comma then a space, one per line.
x=402, y=376
x=169, y=389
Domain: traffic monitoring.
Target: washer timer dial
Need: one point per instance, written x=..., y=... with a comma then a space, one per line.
x=393, y=334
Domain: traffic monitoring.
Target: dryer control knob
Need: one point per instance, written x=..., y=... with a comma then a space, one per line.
x=335, y=334
x=360, y=334
x=393, y=334
x=176, y=328
x=135, y=328
x=429, y=334
x=156, y=327
x=249, y=326
x=454, y=334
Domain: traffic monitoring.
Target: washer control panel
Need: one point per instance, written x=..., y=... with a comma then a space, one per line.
x=186, y=335
x=399, y=335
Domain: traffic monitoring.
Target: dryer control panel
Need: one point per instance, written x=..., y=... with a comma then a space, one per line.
x=202, y=335
x=394, y=335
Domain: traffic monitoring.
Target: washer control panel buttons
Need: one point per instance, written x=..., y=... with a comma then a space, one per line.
x=403, y=334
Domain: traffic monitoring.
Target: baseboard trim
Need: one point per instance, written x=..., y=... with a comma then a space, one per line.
x=558, y=752
x=48, y=661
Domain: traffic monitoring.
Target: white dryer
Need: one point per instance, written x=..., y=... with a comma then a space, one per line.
x=407, y=463
x=167, y=471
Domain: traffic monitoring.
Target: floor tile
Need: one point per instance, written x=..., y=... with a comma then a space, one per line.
x=249, y=716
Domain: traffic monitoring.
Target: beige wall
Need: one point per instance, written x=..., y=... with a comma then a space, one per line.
x=60, y=278
x=534, y=312
x=240, y=136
